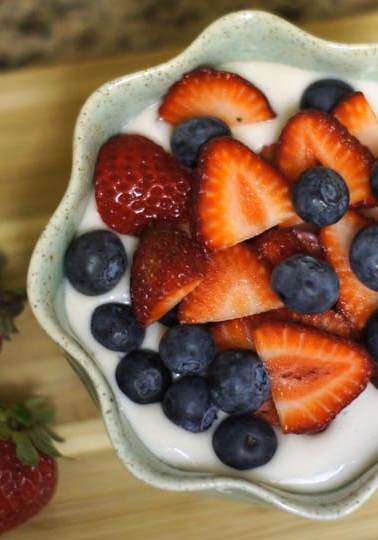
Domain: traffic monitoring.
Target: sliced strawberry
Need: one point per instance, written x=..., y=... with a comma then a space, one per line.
x=277, y=244
x=268, y=412
x=210, y=92
x=311, y=137
x=137, y=181
x=236, y=195
x=356, y=301
x=313, y=374
x=238, y=333
x=358, y=116
x=236, y=284
x=329, y=321
x=167, y=265
x=233, y=334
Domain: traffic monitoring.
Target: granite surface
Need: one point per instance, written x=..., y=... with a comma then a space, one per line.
x=51, y=31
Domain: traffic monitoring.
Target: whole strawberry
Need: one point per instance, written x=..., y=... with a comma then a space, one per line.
x=28, y=471
x=137, y=181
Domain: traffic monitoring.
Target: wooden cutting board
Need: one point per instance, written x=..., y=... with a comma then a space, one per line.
x=97, y=498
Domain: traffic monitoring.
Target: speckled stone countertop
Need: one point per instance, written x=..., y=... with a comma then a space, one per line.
x=51, y=31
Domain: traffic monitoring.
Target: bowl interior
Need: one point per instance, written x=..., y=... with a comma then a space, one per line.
x=246, y=35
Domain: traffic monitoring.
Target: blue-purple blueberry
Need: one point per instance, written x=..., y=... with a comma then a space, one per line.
x=238, y=381
x=95, y=261
x=324, y=94
x=189, y=136
x=187, y=348
x=244, y=441
x=188, y=404
x=142, y=376
x=306, y=284
x=114, y=325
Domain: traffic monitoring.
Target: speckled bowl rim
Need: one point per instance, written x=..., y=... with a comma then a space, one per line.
x=241, y=35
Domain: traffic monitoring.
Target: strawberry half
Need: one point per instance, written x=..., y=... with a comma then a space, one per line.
x=358, y=116
x=311, y=137
x=167, y=265
x=137, y=181
x=235, y=195
x=210, y=92
x=236, y=284
x=356, y=301
x=313, y=375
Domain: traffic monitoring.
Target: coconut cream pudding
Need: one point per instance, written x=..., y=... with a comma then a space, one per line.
x=224, y=274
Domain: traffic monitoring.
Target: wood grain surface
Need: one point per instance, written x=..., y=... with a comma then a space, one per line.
x=97, y=498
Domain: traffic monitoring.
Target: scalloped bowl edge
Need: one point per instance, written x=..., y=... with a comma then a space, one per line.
x=238, y=36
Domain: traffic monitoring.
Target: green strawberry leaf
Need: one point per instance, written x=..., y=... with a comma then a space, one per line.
x=42, y=442
x=28, y=426
x=5, y=432
x=53, y=434
x=25, y=449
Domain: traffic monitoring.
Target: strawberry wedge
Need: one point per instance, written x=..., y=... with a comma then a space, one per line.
x=236, y=195
x=314, y=375
x=210, y=92
x=311, y=137
x=356, y=300
x=166, y=266
x=358, y=116
x=236, y=284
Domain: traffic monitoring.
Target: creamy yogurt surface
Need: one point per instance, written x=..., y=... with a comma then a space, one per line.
x=303, y=463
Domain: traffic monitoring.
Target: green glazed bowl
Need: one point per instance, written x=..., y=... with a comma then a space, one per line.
x=245, y=35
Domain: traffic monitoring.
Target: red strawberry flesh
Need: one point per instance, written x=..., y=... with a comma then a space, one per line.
x=356, y=300
x=236, y=284
x=314, y=375
x=236, y=195
x=357, y=115
x=311, y=137
x=167, y=266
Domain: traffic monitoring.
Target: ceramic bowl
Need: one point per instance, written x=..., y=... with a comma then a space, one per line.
x=246, y=35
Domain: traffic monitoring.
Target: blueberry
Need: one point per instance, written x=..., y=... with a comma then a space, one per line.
x=320, y=196
x=142, y=376
x=187, y=348
x=374, y=179
x=363, y=256
x=188, y=137
x=324, y=94
x=371, y=335
x=306, y=284
x=187, y=403
x=238, y=381
x=244, y=441
x=95, y=261
x=114, y=326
